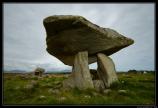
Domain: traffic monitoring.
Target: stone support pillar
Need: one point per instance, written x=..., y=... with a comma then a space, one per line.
x=106, y=70
x=81, y=77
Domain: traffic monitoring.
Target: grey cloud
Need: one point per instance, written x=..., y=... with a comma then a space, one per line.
x=24, y=33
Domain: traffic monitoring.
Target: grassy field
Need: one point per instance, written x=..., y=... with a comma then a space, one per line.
x=133, y=89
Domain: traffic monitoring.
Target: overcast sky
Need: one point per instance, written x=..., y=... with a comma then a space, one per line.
x=24, y=34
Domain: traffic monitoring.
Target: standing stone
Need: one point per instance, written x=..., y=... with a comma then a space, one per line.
x=82, y=76
x=106, y=70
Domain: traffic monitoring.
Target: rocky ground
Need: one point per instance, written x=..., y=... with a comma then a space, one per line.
x=27, y=89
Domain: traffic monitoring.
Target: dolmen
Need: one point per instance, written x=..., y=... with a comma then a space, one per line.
x=77, y=42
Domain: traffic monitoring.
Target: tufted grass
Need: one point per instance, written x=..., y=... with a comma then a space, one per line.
x=140, y=90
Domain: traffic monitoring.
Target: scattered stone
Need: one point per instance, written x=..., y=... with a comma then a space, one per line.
x=144, y=72
x=42, y=97
x=87, y=96
x=34, y=83
x=107, y=91
x=66, y=76
x=57, y=86
x=122, y=91
x=24, y=77
x=40, y=78
x=31, y=85
x=122, y=82
x=17, y=87
x=45, y=76
x=57, y=82
x=68, y=83
x=49, y=76
x=95, y=94
x=128, y=76
x=50, y=90
x=47, y=85
x=28, y=87
x=54, y=91
x=62, y=98
x=98, y=85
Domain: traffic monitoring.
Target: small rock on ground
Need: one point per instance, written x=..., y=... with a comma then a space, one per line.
x=107, y=91
x=42, y=97
x=87, y=96
x=62, y=98
x=122, y=91
x=54, y=91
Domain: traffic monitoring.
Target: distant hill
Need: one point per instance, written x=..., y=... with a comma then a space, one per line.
x=58, y=72
x=14, y=71
x=23, y=71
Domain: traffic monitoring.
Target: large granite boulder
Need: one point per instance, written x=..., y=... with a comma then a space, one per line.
x=67, y=35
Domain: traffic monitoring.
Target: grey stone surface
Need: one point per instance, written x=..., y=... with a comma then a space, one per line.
x=98, y=85
x=107, y=91
x=67, y=35
x=81, y=77
x=122, y=92
x=106, y=70
x=81, y=71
